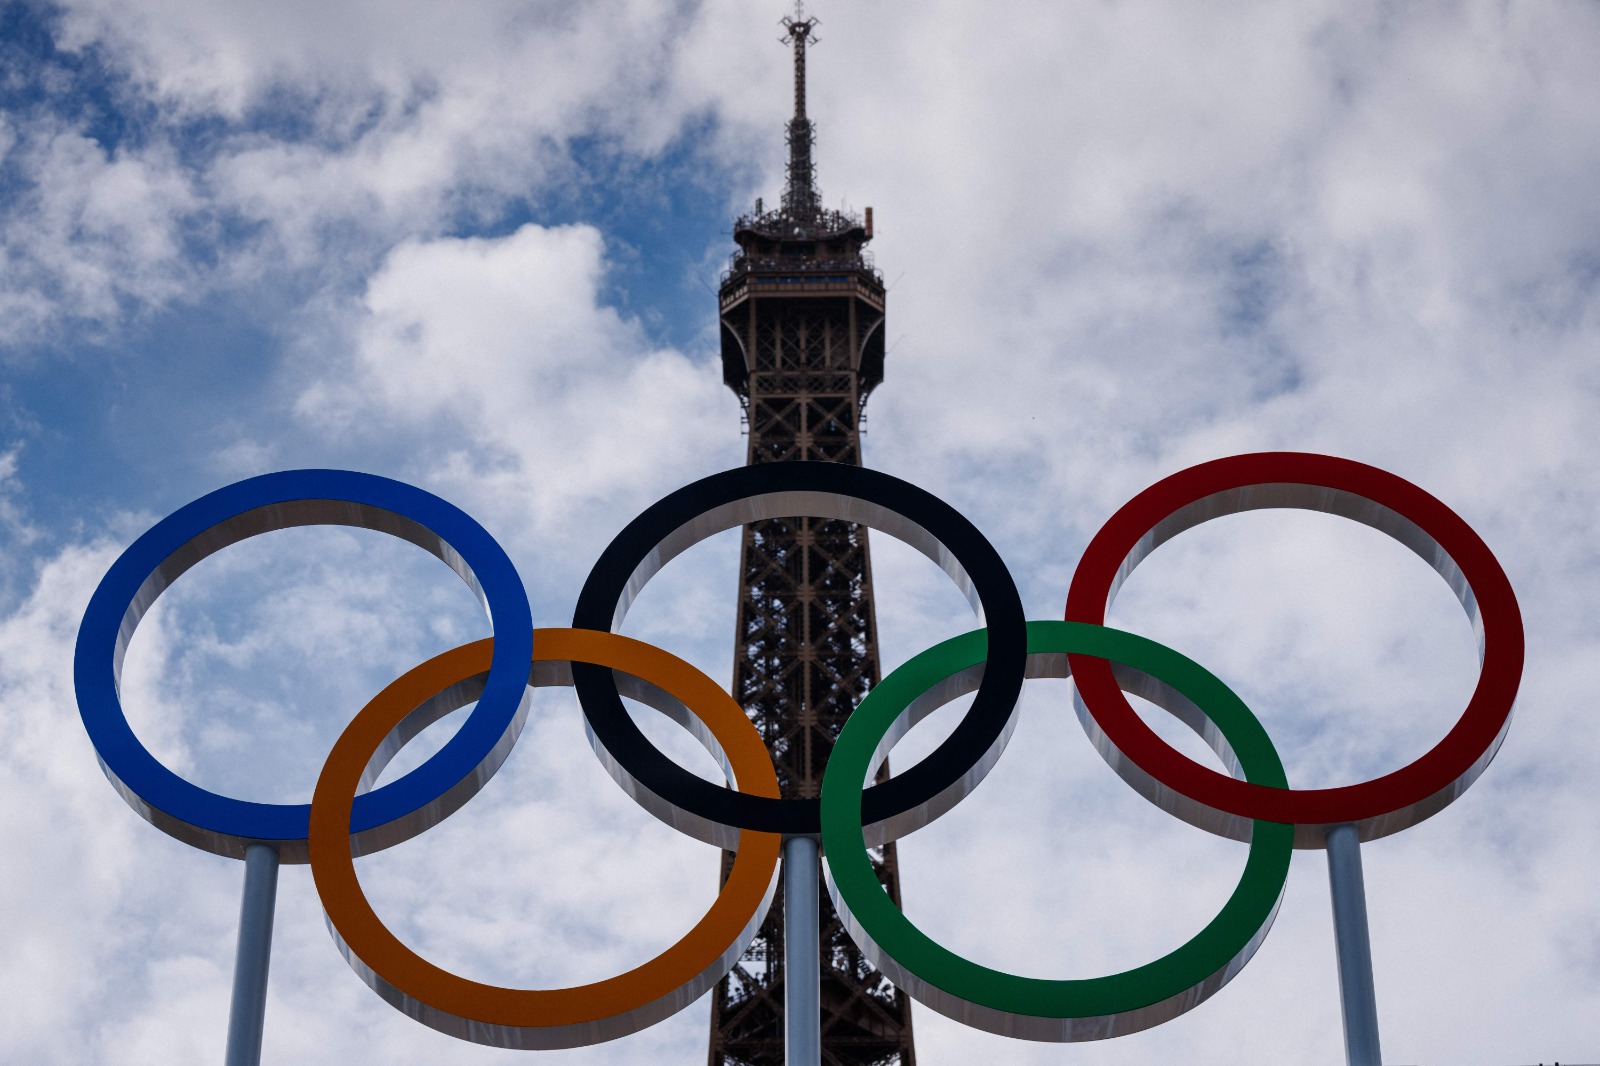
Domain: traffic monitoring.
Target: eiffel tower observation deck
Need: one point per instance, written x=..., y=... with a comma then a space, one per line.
x=802, y=321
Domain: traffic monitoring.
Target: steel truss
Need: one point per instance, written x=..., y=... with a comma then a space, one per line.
x=802, y=345
x=802, y=353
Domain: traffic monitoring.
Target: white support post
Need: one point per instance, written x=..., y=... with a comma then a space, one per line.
x=802, y=966
x=247, y=1016
x=1357, y=996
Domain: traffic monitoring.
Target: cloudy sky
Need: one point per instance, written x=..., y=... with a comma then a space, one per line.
x=473, y=246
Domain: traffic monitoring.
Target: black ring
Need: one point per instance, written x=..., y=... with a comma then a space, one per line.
x=821, y=490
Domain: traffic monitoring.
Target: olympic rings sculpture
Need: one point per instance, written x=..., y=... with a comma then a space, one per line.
x=348, y=817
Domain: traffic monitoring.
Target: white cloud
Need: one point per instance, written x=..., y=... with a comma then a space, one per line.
x=76, y=867
x=15, y=527
x=301, y=137
x=95, y=229
x=1132, y=237
x=539, y=408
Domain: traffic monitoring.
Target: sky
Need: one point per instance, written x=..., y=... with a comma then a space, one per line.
x=474, y=246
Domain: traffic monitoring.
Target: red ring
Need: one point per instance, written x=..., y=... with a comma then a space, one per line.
x=1353, y=490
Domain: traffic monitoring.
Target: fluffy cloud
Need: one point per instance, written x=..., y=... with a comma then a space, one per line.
x=91, y=230
x=1120, y=239
x=306, y=137
x=63, y=902
x=543, y=409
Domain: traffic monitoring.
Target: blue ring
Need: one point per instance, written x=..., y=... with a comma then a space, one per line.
x=398, y=809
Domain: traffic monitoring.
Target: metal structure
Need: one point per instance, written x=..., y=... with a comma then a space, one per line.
x=750, y=817
x=1358, y=1000
x=247, y=1012
x=802, y=313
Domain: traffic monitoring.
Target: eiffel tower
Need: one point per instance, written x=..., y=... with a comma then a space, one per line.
x=802, y=313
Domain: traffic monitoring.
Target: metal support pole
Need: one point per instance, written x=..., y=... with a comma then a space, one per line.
x=1357, y=996
x=249, y=1010
x=802, y=966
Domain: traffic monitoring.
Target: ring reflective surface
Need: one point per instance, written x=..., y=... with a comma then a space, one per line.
x=345, y=819
x=1353, y=490
x=912, y=797
x=1035, y=1008
x=282, y=500
x=550, y=1018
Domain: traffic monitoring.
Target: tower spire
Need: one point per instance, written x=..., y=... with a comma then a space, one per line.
x=801, y=314
x=800, y=198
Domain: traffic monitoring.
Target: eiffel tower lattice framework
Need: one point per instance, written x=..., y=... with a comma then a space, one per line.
x=802, y=312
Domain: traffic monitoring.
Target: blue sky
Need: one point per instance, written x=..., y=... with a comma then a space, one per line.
x=471, y=246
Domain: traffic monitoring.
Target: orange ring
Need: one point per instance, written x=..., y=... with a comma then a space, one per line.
x=552, y=1018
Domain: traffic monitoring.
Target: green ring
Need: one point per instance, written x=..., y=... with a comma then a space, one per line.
x=1035, y=1008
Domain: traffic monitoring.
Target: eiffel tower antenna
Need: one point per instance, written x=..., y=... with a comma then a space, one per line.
x=800, y=198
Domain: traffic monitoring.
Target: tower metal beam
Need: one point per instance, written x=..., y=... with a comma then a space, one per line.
x=802, y=311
